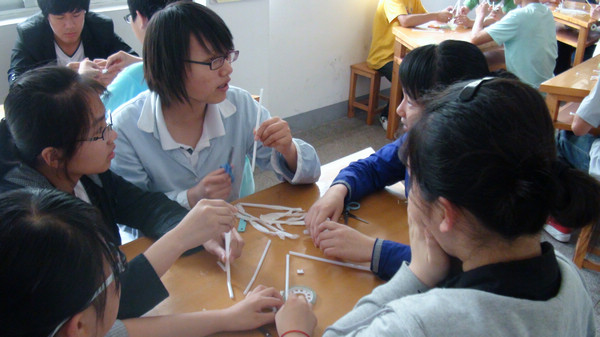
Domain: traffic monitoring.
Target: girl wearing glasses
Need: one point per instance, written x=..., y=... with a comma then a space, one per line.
x=60, y=275
x=55, y=135
x=177, y=135
x=485, y=177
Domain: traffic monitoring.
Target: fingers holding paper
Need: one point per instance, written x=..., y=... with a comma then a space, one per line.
x=276, y=133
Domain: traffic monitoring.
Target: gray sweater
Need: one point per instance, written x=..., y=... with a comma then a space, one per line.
x=406, y=307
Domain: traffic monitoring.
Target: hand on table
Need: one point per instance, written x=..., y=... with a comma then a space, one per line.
x=595, y=12
x=330, y=206
x=445, y=15
x=208, y=220
x=254, y=310
x=215, y=185
x=296, y=314
x=464, y=21
x=344, y=242
x=217, y=246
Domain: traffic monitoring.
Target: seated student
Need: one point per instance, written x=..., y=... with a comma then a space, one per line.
x=579, y=149
x=451, y=61
x=130, y=82
x=55, y=135
x=500, y=8
x=529, y=37
x=60, y=275
x=480, y=196
x=64, y=32
x=390, y=14
x=177, y=135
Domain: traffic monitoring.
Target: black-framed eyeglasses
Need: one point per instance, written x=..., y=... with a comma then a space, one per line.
x=218, y=62
x=127, y=18
x=103, y=133
x=120, y=268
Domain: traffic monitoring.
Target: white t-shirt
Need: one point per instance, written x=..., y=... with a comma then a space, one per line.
x=63, y=59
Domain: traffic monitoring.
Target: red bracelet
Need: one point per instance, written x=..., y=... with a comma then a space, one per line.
x=298, y=331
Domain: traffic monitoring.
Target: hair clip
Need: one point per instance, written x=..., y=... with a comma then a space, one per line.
x=468, y=92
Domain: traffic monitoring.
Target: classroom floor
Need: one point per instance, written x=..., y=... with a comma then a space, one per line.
x=344, y=136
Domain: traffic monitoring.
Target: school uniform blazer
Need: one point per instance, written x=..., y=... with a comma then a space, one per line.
x=34, y=46
x=120, y=202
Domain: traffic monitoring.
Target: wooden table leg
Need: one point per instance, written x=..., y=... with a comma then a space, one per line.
x=582, y=248
x=580, y=50
x=395, y=97
x=553, y=104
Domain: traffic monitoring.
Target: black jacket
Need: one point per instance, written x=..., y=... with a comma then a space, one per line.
x=124, y=203
x=34, y=46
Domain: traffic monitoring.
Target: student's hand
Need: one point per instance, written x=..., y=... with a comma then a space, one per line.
x=429, y=261
x=276, y=133
x=120, y=60
x=595, y=12
x=344, y=242
x=464, y=21
x=296, y=314
x=86, y=68
x=483, y=9
x=217, y=246
x=496, y=14
x=330, y=206
x=215, y=185
x=444, y=16
x=208, y=220
x=464, y=10
x=254, y=310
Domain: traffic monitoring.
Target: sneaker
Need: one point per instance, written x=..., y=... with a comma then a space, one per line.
x=383, y=121
x=557, y=231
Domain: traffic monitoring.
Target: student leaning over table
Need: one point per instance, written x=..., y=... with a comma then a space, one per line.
x=175, y=137
x=451, y=61
x=66, y=32
x=480, y=196
x=390, y=14
x=55, y=135
x=529, y=37
x=78, y=295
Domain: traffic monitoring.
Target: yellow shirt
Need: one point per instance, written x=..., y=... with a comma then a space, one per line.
x=386, y=18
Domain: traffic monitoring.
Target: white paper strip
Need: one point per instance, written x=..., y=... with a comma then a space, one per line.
x=343, y=264
x=256, y=127
x=287, y=276
x=227, y=264
x=275, y=207
x=260, y=262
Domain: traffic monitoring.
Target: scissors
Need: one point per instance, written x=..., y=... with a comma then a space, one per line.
x=227, y=165
x=352, y=206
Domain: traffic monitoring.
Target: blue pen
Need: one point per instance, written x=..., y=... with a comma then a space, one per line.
x=227, y=165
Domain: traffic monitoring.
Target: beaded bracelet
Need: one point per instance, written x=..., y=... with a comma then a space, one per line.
x=298, y=331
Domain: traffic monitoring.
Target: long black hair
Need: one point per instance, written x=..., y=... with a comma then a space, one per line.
x=52, y=256
x=489, y=148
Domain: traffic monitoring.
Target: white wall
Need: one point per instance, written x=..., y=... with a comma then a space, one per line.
x=300, y=52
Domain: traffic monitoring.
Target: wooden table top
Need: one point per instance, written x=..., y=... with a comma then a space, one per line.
x=196, y=283
x=575, y=82
x=576, y=16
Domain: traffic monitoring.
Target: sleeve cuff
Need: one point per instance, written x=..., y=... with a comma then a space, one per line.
x=182, y=199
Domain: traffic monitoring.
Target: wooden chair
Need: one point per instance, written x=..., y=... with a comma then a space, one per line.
x=371, y=106
x=582, y=249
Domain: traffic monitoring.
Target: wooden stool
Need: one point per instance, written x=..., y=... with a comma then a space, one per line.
x=371, y=106
x=583, y=248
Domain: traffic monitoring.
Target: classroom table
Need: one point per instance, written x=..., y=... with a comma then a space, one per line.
x=565, y=91
x=196, y=283
x=574, y=27
x=408, y=39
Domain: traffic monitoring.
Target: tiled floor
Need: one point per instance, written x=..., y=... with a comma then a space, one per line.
x=345, y=136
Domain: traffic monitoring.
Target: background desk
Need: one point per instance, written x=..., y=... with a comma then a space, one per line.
x=579, y=33
x=569, y=87
x=408, y=39
x=195, y=282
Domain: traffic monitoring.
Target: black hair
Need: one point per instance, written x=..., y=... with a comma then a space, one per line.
x=431, y=66
x=53, y=253
x=167, y=45
x=494, y=155
x=58, y=7
x=45, y=107
x=146, y=7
